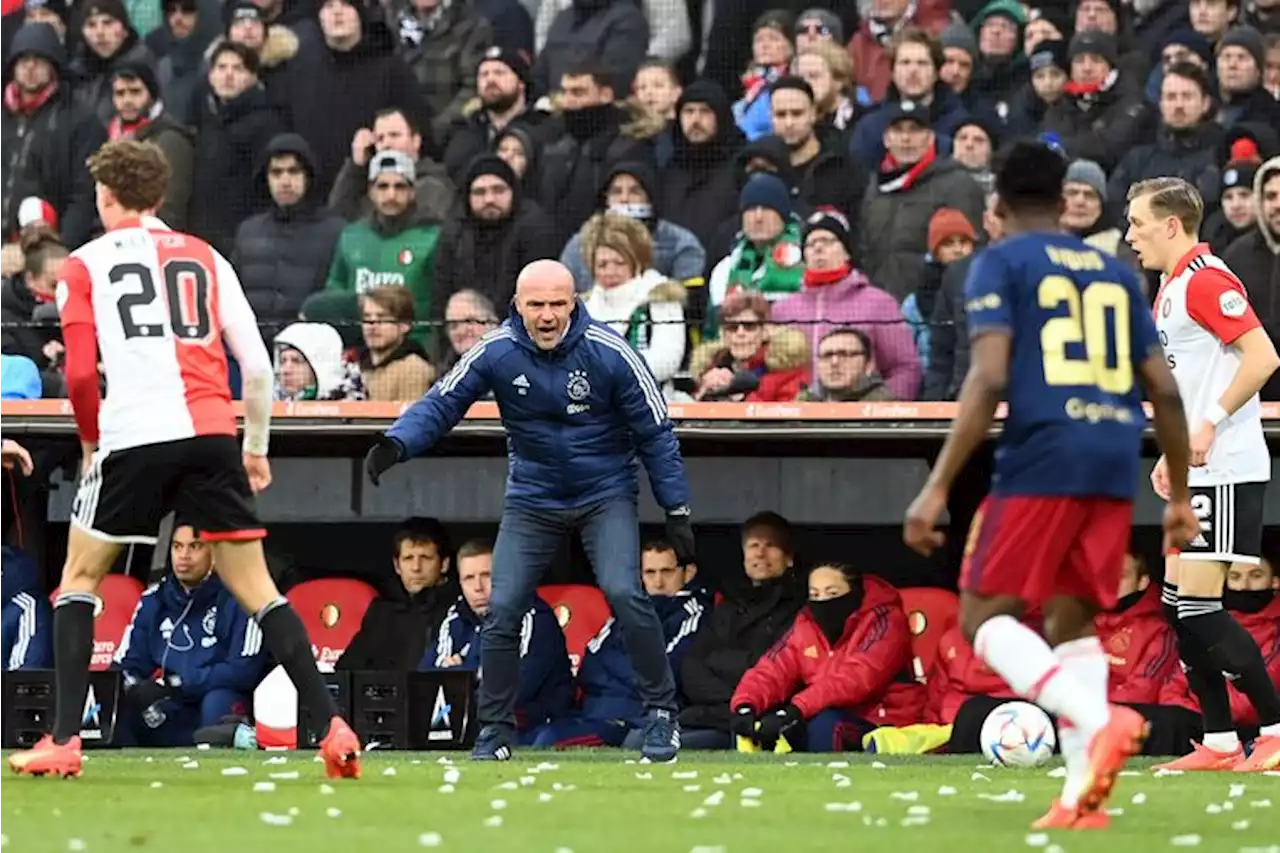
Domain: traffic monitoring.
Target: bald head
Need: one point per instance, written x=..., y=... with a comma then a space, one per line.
x=544, y=299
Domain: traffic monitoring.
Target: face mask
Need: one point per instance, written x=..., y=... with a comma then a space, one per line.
x=1127, y=601
x=832, y=614
x=584, y=123
x=1247, y=600
x=633, y=211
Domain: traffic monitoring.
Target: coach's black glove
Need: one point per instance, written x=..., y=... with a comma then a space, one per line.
x=743, y=723
x=144, y=692
x=786, y=721
x=387, y=452
x=680, y=535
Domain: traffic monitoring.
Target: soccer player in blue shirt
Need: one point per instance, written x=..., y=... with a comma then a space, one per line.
x=1062, y=332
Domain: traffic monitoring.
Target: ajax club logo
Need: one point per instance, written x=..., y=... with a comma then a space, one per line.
x=579, y=388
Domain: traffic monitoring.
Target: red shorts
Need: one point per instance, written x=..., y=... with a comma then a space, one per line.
x=1033, y=548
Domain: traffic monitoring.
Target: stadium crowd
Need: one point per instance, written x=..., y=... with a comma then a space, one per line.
x=770, y=201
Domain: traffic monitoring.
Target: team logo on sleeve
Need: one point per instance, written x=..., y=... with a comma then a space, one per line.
x=1232, y=304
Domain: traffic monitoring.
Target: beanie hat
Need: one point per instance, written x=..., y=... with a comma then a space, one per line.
x=832, y=221
x=1239, y=173
x=141, y=71
x=1010, y=9
x=516, y=60
x=985, y=124
x=1097, y=43
x=244, y=10
x=791, y=81
x=776, y=19
x=765, y=190
x=58, y=7
x=491, y=164
x=827, y=19
x=1192, y=41
x=1248, y=38
x=1050, y=53
x=110, y=8
x=958, y=35
x=1056, y=15
x=1089, y=173
x=949, y=222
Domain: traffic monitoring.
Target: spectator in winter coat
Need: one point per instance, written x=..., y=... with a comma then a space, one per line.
x=915, y=58
x=310, y=365
x=631, y=189
x=233, y=128
x=179, y=46
x=517, y=147
x=845, y=370
x=27, y=616
x=610, y=707
x=337, y=85
x=1263, y=15
x=670, y=34
x=1085, y=213
x=443, y=41
x=275, y=44
x=614, y=33
x=1212, y=18
x=1104, y=113
x=758, y=609
x=868, y=47
x=107, y=40
x=951, y=239
x=836, y=294
x=139, y=113
x=823, y=173
x=1242, y=57
x=55, y=13
x=501, y=98
x=753, y=359
x=468, y=316
x=1031, y=104
x=699, y=189
x=45, y=138
x=546, y=684
x=496, y=234
x=392, y=129
x=394, y=244
x=1185, y=45
x=597, y=135
x=767, y=255
x=283, y=253
x=827, y=69
x=396, y=627
x=973, y=146
x=393, y=366
x=1238, y=214
x=842, y=670
x=636, y=300
x=911, y=183
x=959, y=58
x=33, y=285
x=1002, y=69
x=771, y=53
x=206, y=649
x=1255, y=258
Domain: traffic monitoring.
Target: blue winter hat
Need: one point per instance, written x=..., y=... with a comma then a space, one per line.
x=768, y=191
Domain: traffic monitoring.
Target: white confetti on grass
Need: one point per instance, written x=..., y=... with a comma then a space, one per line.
x=544, y=797
x=157, y=784
x=704, y=849
x=1261, y=804
x=1240, y=825
x=192, y=765
x=946, y=791
x=1160, y=772
x=263, y=787
x=332, y=812
x=276, y=759
x=548, y=765
x=389, y=771
x=326, y=788
x=560, y=786
x=446, y=789
x=526, y=781
x=715, y=799
x=723, y=779
x=497, y=805
x=1010, y=796
x=918, y=811
x=1054, y=848
x=293, y=811
x=698, y=813
x=644, y=775
x=1123, y=772
x=275, y=819
x=837, y=764
x=878, y=765
x=182, y=758
x=1138, y=799
x=1189, y=840
x=753, y=793
x=749, y=803
x=507, y=786
x=1235, y=791
x=1058, y=773
x=287, y=774
x=1213, y=808
x=691, y=789
x=684, y=774
x=429, y=839
x=493, y=821
x=75, y=844
x=235, y=771
x=906, y=796
x=908, y=822
x=1037, y=839
x=452, y=775
x=1115, y=812
x=979, y=777
x=843, y=807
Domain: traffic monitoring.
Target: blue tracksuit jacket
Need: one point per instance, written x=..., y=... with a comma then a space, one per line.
x=606, y=677
x=576, y=417
x=199, y=640
x=28, y=618
x=546, y=684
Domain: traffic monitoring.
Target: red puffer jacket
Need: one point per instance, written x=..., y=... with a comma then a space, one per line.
x=1141, y=648
x=957, y=675
x=868, y=672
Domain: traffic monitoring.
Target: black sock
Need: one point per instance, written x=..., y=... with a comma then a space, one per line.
x=72, y=651
x=1204, y=676
x=1235, y=651
x=287, y=641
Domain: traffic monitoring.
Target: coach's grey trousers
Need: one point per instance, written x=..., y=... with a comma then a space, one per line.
x=528, y=541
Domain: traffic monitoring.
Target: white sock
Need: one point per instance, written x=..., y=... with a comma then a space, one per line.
x=1222, y=741
x=1024, y=660
x=1085, y=660
x=1272, y=730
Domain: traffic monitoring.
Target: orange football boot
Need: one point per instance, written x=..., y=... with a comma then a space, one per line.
x=1109, y=749
x=1266, y=755
x=340, y=750
x=1205, y=758
x=1067, y=817
x=49, y=758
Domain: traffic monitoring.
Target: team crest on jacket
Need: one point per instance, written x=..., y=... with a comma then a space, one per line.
x=787, y=254
x=405, y=257
x=210, y=620
x=579, y=388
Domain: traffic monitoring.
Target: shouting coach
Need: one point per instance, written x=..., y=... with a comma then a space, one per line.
x=578, y=404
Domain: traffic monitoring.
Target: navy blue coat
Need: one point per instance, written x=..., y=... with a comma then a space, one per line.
x=577, y=417
x=546, y=684
x=28, y=618
x=866, y=145
x=199, y=640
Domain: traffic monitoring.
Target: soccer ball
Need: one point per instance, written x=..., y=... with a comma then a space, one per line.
x=1018, y=734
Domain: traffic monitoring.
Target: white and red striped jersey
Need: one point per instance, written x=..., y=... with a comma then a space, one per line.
x=153, y=305
x=1201, y=310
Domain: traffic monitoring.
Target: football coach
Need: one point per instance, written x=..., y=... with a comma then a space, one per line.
x=579, y=405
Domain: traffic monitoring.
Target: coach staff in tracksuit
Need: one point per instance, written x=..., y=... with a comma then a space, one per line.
x=579, y=405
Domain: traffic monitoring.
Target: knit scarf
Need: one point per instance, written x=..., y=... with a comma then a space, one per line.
x=774, y=270
x=27, y=104
x=895, y=177
x=118, y=128
x=760, y=77
x=821, y=278
x=1087, y=93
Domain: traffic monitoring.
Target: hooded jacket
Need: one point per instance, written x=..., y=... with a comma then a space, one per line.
x=321, y=345
x=546, y=683
x=606, y=677
x=180, y=64
x=473, y=134
x=1141, y=647
x=648, y=311
x=576, y=424
x=781, y=365
x=283, y=253
x=855, y=301
x=866, y=672
x=613, y=31
x=43, y=154
x=27, y=616
x=199, y=640
x=677, y=254
x=92, y=74
x=398, y=627
x=699, y=187
x=1255, y=258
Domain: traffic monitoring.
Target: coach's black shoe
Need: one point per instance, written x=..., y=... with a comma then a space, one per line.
x=661, y=738
x=493, y=744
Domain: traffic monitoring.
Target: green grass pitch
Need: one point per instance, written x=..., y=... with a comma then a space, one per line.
x=193, y=801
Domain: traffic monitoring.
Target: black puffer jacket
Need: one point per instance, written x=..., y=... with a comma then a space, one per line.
x=1103, y=126
x=699, y=187
x=92, y=73
x=1182, y=154
x=1255, y=258
x=284, y=253
x=397, y=626
x=613, y=31
x=948, y=336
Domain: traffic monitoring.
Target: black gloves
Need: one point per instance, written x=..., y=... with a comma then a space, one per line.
x=787, y=721
x=381, y=456
x=680, y=535
x=743, y=723
x=145, y=693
